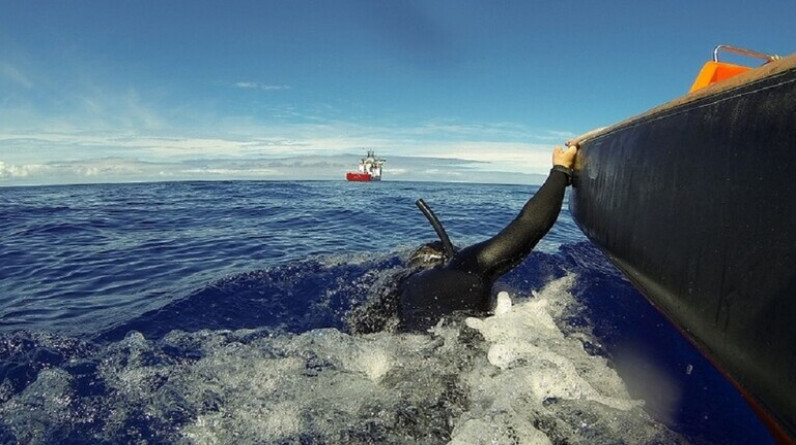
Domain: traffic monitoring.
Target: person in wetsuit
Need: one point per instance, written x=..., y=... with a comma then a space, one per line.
x=464, y=281
x=443, y=280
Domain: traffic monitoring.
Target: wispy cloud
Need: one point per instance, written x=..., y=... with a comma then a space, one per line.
x=498, y=155
x=19, y=171
x=109, y=134
x=440, y=152
x=86, y=111
x=293, y=168
x=261, y=86
x=14, y=75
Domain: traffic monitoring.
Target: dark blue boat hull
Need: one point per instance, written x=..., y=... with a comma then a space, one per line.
x=696, y=203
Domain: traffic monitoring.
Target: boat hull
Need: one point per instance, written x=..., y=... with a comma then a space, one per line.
x=358, y=177
x=695, y=202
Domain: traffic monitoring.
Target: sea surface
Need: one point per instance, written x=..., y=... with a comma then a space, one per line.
x=213, y=312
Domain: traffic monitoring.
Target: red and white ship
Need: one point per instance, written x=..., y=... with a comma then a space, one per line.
x=369, y=169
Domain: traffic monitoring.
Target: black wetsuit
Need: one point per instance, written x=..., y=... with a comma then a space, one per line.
x=465, y=282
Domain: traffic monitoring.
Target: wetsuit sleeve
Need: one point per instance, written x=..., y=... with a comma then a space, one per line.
x=499, y=254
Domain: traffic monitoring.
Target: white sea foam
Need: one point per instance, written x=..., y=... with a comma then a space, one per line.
x=542, y=371
x=526, y=383
x=514, y=377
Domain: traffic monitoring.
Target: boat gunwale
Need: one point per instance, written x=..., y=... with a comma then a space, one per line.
x=735, y=84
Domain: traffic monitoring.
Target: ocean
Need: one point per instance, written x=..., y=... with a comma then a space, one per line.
x=213, y=312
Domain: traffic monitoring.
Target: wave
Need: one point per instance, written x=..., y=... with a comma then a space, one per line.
x=262, y=357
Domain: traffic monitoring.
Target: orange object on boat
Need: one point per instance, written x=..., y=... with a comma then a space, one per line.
x=715, y=71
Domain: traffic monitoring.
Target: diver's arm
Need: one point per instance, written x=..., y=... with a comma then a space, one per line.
x=497, y=255
x=508, y=248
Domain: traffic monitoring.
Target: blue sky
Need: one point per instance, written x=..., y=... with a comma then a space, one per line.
x=99, y=91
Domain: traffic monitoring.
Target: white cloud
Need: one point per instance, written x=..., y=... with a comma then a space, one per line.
x=8, y=171
x=230, y=172
x=261, y=87
x=298, y=167
x=561, y=135
x=510, y=157
x=244, y=148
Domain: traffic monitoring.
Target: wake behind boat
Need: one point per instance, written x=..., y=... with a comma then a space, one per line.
x=369, y=169
x=694, y=202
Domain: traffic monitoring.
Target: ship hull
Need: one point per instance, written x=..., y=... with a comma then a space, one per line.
x=695, y=202
x=358, y=177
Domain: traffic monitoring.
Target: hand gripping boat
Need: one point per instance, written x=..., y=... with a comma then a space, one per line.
x=695, y=201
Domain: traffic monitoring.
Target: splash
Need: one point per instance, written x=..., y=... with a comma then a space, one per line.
x=514, y=377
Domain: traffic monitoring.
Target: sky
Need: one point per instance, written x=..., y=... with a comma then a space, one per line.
x=445, y=90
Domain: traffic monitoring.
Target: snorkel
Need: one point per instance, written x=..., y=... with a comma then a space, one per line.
x=447, y=247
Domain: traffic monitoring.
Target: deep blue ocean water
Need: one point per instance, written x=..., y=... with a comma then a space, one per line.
x=212, y=312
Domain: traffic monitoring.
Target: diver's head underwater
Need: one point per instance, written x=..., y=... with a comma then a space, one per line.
x=429, y=255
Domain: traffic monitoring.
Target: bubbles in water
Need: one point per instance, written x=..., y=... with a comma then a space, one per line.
x=514, y=377
x=543, y=387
